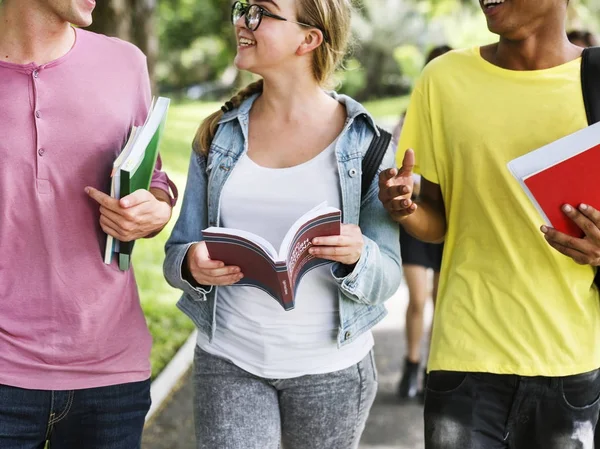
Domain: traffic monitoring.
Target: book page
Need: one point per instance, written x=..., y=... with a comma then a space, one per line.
x=155, y=119
x=257, y=265
x=260, y=241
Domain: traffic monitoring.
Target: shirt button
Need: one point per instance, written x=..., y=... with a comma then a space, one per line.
x=37, y=114
x=353, y=172
x=347, y=335
x=36, y=74
x=41, y=152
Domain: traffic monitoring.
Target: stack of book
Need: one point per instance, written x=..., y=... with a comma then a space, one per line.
x=133, y=169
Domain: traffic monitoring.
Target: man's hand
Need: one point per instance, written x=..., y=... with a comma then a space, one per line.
x=206, y=271
x=586, y=250
x=345, y=248
x=137, y=215
x=396, y=188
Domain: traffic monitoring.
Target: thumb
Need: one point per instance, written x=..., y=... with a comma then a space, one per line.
x=134, y=199
x=408, y=163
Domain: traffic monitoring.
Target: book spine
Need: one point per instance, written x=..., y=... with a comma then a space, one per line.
x=286, y=292
x=125, y=248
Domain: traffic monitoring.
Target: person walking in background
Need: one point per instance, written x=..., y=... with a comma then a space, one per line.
x=417, y=258
x=265, y=377
x=74, y=345
x=582, y=38
x=514, y=356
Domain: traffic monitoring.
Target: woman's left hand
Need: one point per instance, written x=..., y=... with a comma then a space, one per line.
x=345, y=248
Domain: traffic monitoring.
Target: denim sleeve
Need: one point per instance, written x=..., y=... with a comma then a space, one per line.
x=377, y=274
x=188, y=229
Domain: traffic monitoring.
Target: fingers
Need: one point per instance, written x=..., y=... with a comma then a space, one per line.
x=211, y=272
x=574, y=254
x=583, y=251
x=587, y=218
x=590, y=213
x=112, y=228
x=386, y=175
x=102, y=198
x=228, y=279
x=345, y=248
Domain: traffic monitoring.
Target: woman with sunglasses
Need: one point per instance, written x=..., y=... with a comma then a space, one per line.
x=263, y=376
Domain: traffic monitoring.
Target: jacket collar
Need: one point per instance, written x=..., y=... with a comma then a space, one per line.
x=353, y=110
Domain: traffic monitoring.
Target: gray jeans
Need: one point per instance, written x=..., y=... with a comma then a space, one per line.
x=234, y=409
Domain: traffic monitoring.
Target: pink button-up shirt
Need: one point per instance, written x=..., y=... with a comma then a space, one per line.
x=67, y=320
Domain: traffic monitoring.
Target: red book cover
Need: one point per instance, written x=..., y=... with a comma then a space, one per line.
x=562, y=172
x=573, y=181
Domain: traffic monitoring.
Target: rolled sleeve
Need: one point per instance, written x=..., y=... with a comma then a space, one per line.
x=160, y=180
x=174, y=274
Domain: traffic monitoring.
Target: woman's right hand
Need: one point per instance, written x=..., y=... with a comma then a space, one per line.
x=206, y=271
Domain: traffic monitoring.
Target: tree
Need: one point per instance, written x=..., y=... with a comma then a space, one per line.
x=130, y=20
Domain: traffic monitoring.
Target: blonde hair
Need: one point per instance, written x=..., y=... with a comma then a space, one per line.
x=332, y=17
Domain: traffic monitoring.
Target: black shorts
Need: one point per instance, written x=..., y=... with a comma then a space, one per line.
x=416, y=252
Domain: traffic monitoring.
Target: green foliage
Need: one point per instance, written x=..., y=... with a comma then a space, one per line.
x=352, y=79
x=411, y=60
x=197, y=42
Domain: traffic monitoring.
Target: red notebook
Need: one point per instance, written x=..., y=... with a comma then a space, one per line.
x=564, y=172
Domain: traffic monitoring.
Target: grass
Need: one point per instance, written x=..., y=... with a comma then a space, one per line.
x=168, y=326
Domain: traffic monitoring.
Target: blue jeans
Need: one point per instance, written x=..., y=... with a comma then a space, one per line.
x=237, y=410
x=491, y=411
x=96, y=418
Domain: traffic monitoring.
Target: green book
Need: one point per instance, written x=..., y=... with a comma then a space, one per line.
x=134, y=169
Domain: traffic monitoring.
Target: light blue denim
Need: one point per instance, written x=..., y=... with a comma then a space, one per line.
x=234, y=409
x=362, y=289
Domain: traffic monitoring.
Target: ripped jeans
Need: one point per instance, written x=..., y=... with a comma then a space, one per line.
x=492, y=411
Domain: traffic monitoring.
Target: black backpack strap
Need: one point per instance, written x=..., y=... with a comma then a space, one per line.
x=590, y=83
x=373, y=158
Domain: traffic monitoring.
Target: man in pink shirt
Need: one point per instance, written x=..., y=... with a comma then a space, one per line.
x=74, y=345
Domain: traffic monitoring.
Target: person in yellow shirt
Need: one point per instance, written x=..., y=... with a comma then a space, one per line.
x=514, y=355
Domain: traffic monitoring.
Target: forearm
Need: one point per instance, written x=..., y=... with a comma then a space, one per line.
x=427, y=223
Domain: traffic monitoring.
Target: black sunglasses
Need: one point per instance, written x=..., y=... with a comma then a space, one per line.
x=253, y=15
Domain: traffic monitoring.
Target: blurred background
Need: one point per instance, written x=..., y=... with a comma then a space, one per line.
x=190, y=44
x=190, y=47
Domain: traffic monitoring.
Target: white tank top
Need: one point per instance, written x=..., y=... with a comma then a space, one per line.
x=253, y=331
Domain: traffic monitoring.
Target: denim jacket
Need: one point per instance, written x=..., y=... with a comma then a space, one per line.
x=362, y=289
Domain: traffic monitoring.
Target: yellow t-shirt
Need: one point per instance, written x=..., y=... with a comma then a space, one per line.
x=508, y=302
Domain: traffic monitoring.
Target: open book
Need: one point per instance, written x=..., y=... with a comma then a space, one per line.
x=562, y=172
x=133, y=169
x=276, y=272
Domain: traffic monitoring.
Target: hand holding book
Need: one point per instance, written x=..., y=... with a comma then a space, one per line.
x=206, y=271
x=561, y=181
x=132, y=217
x=345, y=248
x=278, y=272
x=586, y=250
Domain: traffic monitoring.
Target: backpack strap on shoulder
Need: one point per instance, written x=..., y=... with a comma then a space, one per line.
x=590, y=83
x=373, y=158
